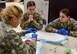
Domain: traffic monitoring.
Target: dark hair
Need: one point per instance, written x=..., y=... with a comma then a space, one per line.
x=66, y=12
x=31, y=3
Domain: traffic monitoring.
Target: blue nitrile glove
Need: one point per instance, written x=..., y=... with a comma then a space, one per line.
x=31, y=30
x=34, y=36
x=62, y=31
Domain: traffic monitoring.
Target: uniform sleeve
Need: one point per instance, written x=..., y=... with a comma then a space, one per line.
x=25, y=22
x=52, y=26
x=21, y=33
x=38, y=22
x=74, y=32
x=17, y=44
x=31, y=49
x=3, y=46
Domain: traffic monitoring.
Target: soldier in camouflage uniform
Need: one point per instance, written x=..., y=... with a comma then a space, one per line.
x=64, y=21
x=10, y=42
x=31, y=19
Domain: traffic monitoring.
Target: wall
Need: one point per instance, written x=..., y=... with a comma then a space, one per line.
x=56, y=5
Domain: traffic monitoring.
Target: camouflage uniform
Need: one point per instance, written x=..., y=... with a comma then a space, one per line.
x=12, y=44
x=71, y=26
x=36, y=23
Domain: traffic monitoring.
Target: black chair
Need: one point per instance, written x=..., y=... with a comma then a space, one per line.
x=44, y=21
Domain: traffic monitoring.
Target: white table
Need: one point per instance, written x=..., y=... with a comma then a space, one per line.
x=60, y=49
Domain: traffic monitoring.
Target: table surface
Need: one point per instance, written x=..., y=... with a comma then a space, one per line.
x=60, y=49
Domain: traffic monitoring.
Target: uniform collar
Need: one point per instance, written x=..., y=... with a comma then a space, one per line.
x=68, y=23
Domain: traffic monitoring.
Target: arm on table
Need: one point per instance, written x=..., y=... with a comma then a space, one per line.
x=25, y=22
x=52, y=26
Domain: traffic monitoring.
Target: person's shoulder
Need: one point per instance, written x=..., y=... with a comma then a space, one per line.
x=56, y=20
x=11, y=34
x=2, y=35
x=26, y=13
x=71, y=19
x=37, y=14
x=6, y=27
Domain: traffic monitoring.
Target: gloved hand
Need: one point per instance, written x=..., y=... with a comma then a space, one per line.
x=62, y=31
x=31, y=30
x=34, y=36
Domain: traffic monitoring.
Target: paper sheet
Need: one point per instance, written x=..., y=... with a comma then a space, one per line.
x=51, y=36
